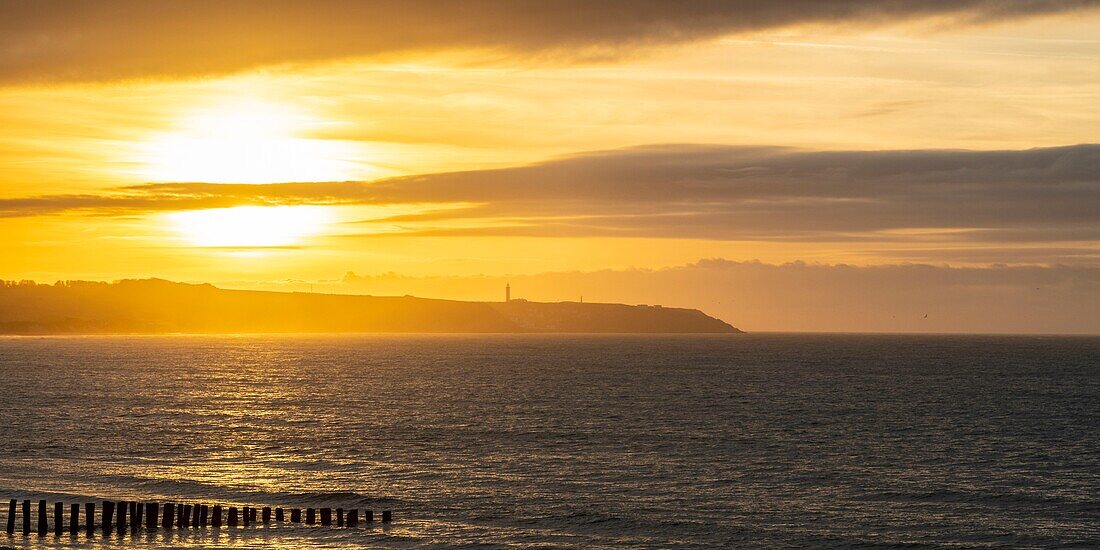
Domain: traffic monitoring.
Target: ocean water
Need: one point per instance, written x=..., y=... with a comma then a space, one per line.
x=756, y=440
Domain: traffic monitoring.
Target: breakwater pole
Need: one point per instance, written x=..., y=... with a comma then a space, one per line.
x=118, y=517
x=106, y=517
x=42, y=525
x=152, y=510
x=89, y=518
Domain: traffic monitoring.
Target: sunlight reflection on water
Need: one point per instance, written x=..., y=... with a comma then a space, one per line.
x=583, y=441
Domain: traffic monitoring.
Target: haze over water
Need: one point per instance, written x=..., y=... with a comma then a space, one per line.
x=760, y=440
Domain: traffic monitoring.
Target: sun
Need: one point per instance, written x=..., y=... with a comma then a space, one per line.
x=250, y=226
x=244, y=142
x=254, y=142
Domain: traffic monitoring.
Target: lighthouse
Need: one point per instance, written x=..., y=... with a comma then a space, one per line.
x=507, y=292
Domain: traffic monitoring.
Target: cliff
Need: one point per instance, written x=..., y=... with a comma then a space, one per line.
x=157, y=306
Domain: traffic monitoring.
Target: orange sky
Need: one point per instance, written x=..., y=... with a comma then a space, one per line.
x=252, y=144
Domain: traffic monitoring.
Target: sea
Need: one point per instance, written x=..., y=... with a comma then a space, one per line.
x=566, y=441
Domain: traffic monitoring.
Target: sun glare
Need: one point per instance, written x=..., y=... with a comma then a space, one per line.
x=250, y=226
x=251, y=142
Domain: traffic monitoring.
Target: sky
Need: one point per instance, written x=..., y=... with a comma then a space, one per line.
x=857, y=165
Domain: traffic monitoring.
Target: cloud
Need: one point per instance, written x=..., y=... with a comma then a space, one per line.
x=163, y=198
x=87, y=40
x=795, y=296
x=711, y=192
x=747, y=193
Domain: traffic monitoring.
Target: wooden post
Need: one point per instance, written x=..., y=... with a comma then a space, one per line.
x=387, y=516
x=135, y=516
x=120, y=522
x=152, y=510
x=311, y=516
x=197, y=509
x=278, y=515
x=74, y=519
x=43, y=525
x=216, y=521
x=252, y=513
x=26, y=517
x=181, y=515
x=58, y=518
x=339, y=517
x=326, y=516
x=296, y=515
x=203, y=512
x=266, y=515
x=247, y=516
x=89, y=518
x=169, y=515
x=353, y=518
x=107, y=517
x=11, y=516
x=368, y=515
x=232, y=516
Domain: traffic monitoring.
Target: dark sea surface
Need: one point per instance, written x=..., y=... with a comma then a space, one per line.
x=756, y=441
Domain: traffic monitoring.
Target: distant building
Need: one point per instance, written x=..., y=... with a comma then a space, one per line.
x=507, y=292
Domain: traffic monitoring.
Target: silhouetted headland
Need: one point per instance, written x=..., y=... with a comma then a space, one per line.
x=156, y=306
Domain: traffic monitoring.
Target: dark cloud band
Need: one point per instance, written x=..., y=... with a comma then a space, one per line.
x=713, y=192
x=74, y=40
